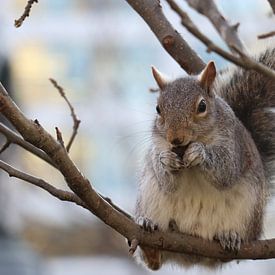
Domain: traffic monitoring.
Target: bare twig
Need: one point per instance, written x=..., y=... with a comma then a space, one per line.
x=76, y=121
x=19, y=22
x=133, y=246
x=12, y=137
x=58, y=193
x=170, y=39
x=227, y=32
x=59, y=136
x=272, y=4
x=5, y=146
x=266, y=35
x=242, y=61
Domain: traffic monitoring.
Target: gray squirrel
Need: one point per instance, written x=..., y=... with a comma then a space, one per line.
x=208, y=169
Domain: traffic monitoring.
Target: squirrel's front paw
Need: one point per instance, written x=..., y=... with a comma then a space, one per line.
x=230, y=240
x=194, y=155
x=170, y=161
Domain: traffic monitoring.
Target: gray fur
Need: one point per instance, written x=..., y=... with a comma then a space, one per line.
x=252, y=97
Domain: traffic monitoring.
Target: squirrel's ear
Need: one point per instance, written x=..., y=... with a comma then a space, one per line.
x=207, y=76
x=160, y=78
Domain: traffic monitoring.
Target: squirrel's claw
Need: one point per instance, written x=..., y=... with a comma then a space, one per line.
x=173, y=227
x=230, y=240
x=147, y=224
x=194, y=154
x=170, y=161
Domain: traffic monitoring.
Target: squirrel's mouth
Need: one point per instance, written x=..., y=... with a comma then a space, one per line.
x=180, y=150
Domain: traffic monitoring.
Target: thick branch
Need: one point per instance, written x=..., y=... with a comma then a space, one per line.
x=242, y=61
x=170, y=39
x=58, y=193
x=227, y=32
x=19, y=22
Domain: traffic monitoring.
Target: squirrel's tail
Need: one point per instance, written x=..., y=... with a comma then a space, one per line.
x=252, y=98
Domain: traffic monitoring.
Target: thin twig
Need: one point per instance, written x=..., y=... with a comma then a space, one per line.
x=14, y=138
x=76, y=121
x=5, y=146
x=58, y=193
x=59, y=136
x=227, y=32
x=266, y=35
x=19, y=22
x=242, y=61
x=133, y=246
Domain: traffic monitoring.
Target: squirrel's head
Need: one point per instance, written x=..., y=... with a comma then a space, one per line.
x=186, y=107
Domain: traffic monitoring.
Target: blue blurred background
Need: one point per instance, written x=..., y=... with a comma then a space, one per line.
x=100, y=51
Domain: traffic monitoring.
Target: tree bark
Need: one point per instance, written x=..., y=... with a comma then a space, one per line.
x=227, y=32
x=170, y=39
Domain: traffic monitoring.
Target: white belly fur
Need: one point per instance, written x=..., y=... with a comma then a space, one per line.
x=197, y=206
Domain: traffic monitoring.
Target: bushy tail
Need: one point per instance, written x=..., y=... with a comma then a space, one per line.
x=252, y=98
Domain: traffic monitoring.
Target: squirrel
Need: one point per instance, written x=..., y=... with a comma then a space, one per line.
x=208, y=169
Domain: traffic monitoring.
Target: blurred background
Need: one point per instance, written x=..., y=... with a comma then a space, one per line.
x=100, y=51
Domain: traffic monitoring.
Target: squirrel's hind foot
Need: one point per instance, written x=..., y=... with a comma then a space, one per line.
x=151, y=256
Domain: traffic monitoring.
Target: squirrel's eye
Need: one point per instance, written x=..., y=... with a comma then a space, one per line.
x=158, y=109
x=202, y=106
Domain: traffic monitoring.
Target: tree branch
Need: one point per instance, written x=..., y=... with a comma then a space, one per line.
x=170, y=39
x=272, y=4
x=5, y=146
x=266, y=35
x=59, y=137
x=242, y=61
x=76, y=121
x=37, y=136
x=58, y=193
x=19, y=22
x=12, y=137
x=226, y=31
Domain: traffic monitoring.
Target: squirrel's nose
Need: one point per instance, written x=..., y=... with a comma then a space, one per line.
x=176, y=141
